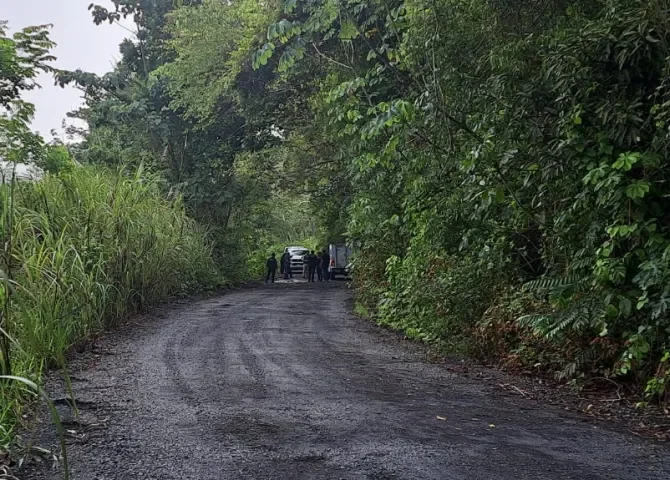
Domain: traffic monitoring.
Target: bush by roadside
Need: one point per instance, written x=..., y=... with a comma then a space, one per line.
x=82, y=250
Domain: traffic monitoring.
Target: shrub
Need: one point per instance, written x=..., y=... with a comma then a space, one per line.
x=83, y=250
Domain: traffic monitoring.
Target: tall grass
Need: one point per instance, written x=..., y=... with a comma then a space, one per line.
x=79, y=252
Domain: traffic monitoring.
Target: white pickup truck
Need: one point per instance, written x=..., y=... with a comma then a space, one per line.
x=340, y=259
x=296, y=253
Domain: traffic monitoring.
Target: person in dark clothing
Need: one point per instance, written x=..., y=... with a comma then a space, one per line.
x=319, y=267
x=272, y=268
x=325, y=265
x=305, y=266
x=311, y=260
x=286, y=265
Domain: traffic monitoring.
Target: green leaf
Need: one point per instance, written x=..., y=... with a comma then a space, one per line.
x=272, y=31
x=290, y=5
x=626, y=161
x=637, y=189
x=612, y=311
x=642, y=301
x=263, y=54
x=348, y=31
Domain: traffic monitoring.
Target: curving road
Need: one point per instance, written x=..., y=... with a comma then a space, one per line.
x=282, y=382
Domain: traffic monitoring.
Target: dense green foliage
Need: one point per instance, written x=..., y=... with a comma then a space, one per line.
x=186, y=103
x=505, y=170
x=85, y=249
x=22, y=57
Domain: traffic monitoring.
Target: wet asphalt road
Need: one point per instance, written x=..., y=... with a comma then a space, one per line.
x=282, y=382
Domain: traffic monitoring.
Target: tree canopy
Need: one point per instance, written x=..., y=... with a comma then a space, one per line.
x=22, y=57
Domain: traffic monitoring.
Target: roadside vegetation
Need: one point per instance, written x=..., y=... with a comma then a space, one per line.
x=500, y=167
x=83, y=246
x=83, y=250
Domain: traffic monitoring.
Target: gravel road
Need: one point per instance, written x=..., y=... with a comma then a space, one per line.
x=282, y=382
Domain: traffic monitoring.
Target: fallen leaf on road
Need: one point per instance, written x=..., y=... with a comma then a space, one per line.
x=491, y=425
x=441, y=418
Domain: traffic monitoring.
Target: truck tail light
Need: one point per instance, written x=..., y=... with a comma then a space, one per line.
x=332, y=262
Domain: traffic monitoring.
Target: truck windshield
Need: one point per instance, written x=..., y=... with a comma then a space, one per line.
x=298, y=253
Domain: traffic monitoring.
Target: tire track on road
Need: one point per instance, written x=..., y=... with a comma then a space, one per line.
x=282, y=382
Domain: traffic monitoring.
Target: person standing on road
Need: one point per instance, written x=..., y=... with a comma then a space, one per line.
x=286, y=265
x=325, y=261
x=319, y=267
x=305, y=266
x=272, y=268
x=311, y=261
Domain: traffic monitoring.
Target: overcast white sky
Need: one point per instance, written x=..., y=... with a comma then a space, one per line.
x=81, y=44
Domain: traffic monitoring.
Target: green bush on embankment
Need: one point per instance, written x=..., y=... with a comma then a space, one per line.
x=81, y=251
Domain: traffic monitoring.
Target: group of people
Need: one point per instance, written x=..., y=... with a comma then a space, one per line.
x=315, y=266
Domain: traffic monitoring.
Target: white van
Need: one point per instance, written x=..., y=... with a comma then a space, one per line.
x=340, y=258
